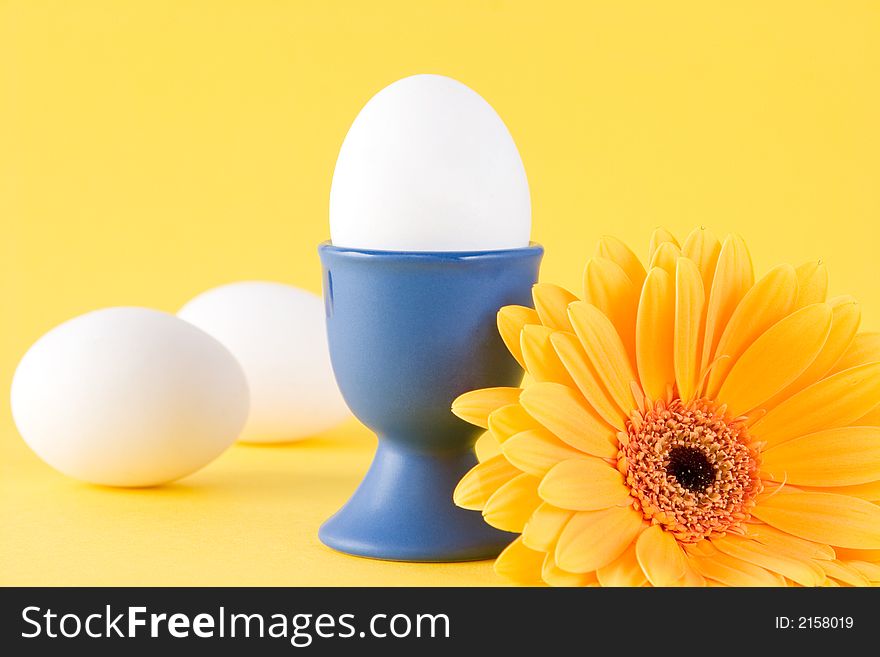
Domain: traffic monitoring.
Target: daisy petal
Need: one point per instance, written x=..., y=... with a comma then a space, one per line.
x=655, y=326
x=691, y=577
x=776, y=358
x=540, y=357
x=869, y=491
x=511, y=320
x=870, y=419
x=537, y=450
x=510, y=420
x=553, y=575
x=785, y=543
x=767, y=302
x=871, y=571
x=845, y=318
x=834, y=402
x=561, y=410
x=615, y=250
x=481, y=481
x=623, y=571
x=812, y=283
x=584, y=484
x=510, y=506
x=475, y=406
x=659, y=237
x=660, y=556
x=689, y=306
x=835, y=457
x=865, y=348
x=666, y=256
x=551, y=304
x=822, y=517
x=803, y=571
x=544, y=527
x=607, y=287
x=844, y=573
x=730, y=571
x=572, y=355
x=703, y=248
x=732, y=279
x=520, y=564
x=486, y=446
x=593, y=539
x=865, y=555
x=606, y=352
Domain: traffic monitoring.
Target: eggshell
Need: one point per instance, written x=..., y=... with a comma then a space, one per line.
x=278, y=335
x=428, y=165
x=128, y=397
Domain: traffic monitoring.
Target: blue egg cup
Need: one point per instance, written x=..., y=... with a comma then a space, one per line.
x=409, y=332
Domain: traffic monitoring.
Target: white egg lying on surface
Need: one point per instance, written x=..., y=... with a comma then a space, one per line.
x=428, y=165
x=128, y=397
x=278, y=335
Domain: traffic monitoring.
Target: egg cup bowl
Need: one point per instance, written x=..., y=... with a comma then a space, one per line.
x=408, y=333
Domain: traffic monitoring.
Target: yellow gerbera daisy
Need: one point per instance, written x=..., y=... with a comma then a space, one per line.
x=684, y=425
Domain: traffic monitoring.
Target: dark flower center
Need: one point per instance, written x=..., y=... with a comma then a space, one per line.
x=691, y=468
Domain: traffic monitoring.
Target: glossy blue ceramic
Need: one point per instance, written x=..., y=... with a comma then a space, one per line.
x=409, y=332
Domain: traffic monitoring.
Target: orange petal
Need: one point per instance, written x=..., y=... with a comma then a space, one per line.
x=869, y=491
x=481, y=481
x=689, y=307
x=511, y=320
x=666, y=256
x=703, y=248
x=565, y=413
x=475, y=406
x=812, y=283
x=835, y=457
x=544, y=527
x=655, y=326
x=486, y=446
x=553, y=575
x=768, y=301
x=607, y=287
x=865, y=348
x=510, y=506
x=869, y=419
x=844, y=573
x=865, y=555
x=732, y=279
x=551, y=304
x=540, y=357
x=615, y=250
x=520, y=564
x=593, y=539
x=870, y=571
x=834, y=402
x=659, y=237
x=803, y=571
x=509, y=420
x=822, y=517
x=730, y=571
x=623, y=571
x=785, y=543
x=584, y=484
x=660, y=556
x=605, y=351
x=582, y=371
x=776, y=359
x=845, y=319
x=537, y=450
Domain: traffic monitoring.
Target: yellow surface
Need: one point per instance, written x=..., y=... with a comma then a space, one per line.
x=150, y=150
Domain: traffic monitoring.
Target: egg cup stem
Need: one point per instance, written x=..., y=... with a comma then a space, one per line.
x=408, y=333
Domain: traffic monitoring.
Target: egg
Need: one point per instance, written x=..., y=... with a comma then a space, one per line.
x=277, y=333
x=128, y=397
x=428, y=165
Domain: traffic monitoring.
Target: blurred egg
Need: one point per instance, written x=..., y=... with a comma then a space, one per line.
x=428, y=165
x=277, y=333
x=128, y=397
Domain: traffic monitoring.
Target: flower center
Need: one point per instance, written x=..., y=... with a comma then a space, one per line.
x=690, y=469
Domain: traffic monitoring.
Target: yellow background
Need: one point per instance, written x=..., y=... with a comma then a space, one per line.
x=150, y=150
